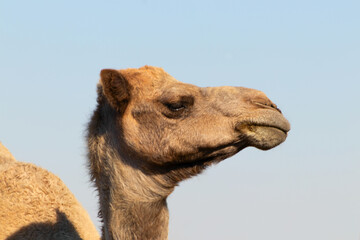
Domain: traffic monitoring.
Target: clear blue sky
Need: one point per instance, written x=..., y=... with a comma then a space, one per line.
x=305, y=55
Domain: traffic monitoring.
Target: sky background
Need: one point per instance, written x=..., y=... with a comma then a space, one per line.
x=305, y=55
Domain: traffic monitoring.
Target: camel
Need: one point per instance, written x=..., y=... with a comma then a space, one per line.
x=148, y=133
x=36, y=204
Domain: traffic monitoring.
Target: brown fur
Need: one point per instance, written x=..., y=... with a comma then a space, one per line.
x=36, y=204
x=150, y=131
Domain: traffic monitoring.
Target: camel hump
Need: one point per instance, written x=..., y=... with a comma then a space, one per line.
x=5, y=155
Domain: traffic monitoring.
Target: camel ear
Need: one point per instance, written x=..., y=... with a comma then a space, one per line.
x=115, y=88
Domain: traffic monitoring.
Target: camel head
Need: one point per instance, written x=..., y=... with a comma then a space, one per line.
x=150, y=131
x=169, y=125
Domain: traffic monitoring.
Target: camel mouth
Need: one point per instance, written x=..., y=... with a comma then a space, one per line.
x=275, y=131
x=269, y=119
x=265, y=133
x=283, y=129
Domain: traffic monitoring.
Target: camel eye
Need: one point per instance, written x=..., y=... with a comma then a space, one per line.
x=175, y=110
x=175, y=107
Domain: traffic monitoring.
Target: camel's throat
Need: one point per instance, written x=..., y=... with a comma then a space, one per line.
x=135, y=220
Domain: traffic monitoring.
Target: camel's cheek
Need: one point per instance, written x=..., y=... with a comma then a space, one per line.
x=145, y=131
x=195, y=137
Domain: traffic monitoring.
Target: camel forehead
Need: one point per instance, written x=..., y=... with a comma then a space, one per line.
x=148, y=77
x=150, y=82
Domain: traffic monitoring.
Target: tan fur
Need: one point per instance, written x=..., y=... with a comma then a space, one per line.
x=36, y=204
x=6, y=158
x=150, y=131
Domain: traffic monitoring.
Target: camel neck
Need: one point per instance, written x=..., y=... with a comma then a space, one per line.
x=137, y=220
x=135, y=208
x=132, y=202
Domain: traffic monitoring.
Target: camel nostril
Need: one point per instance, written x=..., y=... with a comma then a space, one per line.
x=267, y=104
x=278, y=109
x=273, y=105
